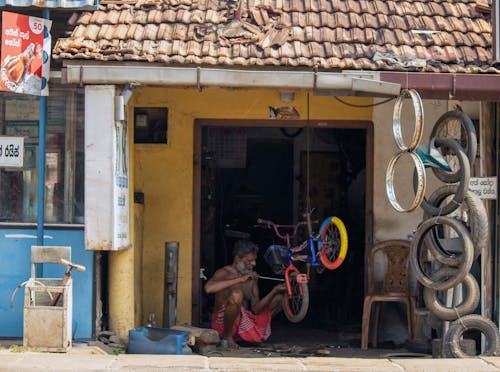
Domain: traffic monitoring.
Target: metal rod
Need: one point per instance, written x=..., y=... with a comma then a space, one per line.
x=269, y=278
x=41, y=161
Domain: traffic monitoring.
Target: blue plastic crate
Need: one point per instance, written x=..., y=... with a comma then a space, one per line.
x=150, y=340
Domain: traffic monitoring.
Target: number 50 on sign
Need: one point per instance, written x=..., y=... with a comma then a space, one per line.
x=11, y=151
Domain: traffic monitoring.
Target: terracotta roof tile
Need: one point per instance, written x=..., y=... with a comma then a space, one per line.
x=370, y=20
x=341, y=20
x=417, y=35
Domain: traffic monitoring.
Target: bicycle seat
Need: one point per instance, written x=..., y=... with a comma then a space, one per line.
x=432, y=158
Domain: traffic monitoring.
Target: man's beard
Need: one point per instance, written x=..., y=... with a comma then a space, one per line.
x=244, y=269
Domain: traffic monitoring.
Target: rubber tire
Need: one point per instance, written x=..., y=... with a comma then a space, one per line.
x=478, y=219
x=463, y=186
x=467, y=306
x=291, y=316
x=325, y=226
x=418, y=241
x=471, y=148
x=477, y=322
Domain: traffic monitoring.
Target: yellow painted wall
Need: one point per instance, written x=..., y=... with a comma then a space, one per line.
x=164, y=173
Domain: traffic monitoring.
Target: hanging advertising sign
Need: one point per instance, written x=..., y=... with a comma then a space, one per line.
x=25, y=54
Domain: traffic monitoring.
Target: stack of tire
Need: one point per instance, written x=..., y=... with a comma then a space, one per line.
x=441, y=263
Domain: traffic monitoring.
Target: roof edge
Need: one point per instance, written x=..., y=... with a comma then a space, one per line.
x=462, y=87
x=352, y=82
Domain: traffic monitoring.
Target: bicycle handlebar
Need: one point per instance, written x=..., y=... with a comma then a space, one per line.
x=276, y=227
x=264, y=222
x=72, y=265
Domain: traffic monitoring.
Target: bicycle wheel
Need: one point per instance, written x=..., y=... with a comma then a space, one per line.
x=295, y=306
x=455, y=124
x=333, y=243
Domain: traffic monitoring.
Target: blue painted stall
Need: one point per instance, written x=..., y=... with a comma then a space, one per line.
x=15, y=246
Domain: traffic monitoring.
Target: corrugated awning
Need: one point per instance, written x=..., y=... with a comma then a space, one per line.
x=86, y=4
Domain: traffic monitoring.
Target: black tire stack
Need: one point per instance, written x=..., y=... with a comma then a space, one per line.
x=446, y=243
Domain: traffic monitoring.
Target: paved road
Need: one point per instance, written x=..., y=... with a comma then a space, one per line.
x=97, y=361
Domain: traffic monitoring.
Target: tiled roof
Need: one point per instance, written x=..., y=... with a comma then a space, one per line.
x=410, y=35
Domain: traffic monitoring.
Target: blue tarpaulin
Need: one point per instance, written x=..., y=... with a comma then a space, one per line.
x=51, y=3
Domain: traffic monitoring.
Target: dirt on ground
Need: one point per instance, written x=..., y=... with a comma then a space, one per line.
x=298, y=341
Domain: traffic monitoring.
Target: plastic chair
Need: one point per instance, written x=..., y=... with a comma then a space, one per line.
x=48, y=254
x=395, y=286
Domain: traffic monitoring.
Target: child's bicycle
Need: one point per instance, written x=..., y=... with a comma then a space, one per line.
x=327, y=249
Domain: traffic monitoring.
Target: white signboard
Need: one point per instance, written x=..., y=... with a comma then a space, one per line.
x=107, y=214
x=121, y=223
x=484, y=187
x=11, y=151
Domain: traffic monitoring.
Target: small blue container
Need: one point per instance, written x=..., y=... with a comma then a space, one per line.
x=150, y=340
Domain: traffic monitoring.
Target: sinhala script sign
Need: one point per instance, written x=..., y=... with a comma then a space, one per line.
x=484, y=187
x=11, y=151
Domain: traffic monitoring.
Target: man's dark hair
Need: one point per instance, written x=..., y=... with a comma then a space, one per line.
x=243, y=247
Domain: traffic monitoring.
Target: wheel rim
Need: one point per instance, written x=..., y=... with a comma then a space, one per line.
x=334, y=236
x=294, y=301
x=330, y=244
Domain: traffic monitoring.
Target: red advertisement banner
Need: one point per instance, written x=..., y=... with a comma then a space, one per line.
x=24, y=54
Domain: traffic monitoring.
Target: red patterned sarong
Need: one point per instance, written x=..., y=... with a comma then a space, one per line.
x=248, y=326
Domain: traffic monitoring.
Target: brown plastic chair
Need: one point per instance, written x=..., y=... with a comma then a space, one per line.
x=395, y=286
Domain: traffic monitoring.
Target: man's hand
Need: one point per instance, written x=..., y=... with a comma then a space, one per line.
x=250, y=276
x=280, y=288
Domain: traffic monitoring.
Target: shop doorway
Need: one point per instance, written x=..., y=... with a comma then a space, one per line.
x=245, y=170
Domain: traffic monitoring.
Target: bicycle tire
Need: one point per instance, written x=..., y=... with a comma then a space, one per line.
x=328, y=239
x=468, y=142
x=463, y=186
x=417, y=242
x=466, y=307
x=474, y=322
x=477, y=224
x=296, y=311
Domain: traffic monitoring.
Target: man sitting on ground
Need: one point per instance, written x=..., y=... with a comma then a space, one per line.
x=238, y=312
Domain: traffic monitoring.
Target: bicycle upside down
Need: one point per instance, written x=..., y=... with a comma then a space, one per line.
x=327, y=249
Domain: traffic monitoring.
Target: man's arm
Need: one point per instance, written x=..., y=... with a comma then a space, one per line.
x=259, y=305
x=219, y=281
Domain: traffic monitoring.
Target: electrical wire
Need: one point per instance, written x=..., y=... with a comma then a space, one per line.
x=370, y=105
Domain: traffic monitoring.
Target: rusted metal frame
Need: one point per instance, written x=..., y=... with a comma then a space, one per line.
x=473, y=87
x=195, y=262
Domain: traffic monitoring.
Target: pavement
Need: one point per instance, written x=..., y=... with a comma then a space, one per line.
x=93, y=358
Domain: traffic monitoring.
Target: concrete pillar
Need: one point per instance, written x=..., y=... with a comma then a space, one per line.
x=121, y=292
